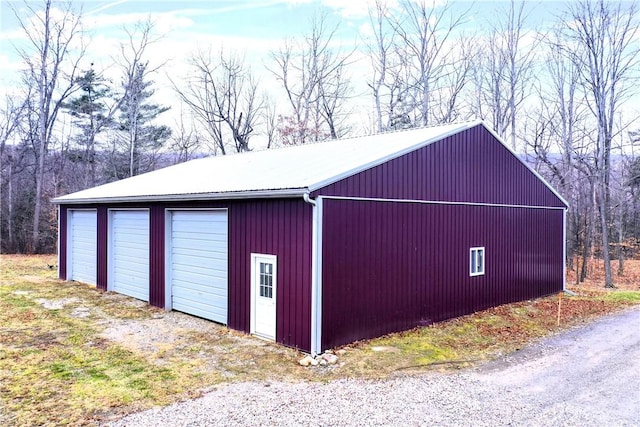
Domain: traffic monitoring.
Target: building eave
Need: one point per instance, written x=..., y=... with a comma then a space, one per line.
x=234, y=195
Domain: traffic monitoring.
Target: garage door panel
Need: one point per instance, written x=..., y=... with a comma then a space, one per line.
x=192, y=255
x=211, y=274
x=191, y=305
x=197, y=283
x=202, y=295
x=205, y=311
x=82, y=246
x=129, y=246
x=128, y=281
x=185, y=262
x=198, y=263
x=184, y=240
x=189, y=220
x=134, y=243
x=189, y=229
x=129, y=270
x=201, y=277
x=130, y=261
x=86, y=254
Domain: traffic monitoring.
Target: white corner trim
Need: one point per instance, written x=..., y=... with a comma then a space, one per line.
x=168, y=306
x=564, y=249
x=316, y=278
x=59, y=210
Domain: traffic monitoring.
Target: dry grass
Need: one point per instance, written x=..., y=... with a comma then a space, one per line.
x=58, y=367
x=92, y=356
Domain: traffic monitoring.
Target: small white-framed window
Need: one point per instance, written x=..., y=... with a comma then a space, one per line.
x=476, y=261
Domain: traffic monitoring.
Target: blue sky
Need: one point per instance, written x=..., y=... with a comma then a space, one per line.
x=252, y=27
x=244, y=24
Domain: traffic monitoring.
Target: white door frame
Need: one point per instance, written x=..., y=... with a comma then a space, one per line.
x=255, y=287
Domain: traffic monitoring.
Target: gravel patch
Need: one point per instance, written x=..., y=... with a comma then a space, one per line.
x=55, y=304
x=589, y=376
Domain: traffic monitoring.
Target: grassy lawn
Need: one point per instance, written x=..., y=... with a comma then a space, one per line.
x=63, y=359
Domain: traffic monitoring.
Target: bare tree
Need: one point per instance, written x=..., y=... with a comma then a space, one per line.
x=10, y=116
x=270, y=121
x=51, y=70
x=380, y=51
x=601, y=40
x=223, y=94
x=504, y=77
x=10, y=119
x=426, y=32
x=313, y=75
x=390, y=82
x=185, y=140
x=558, y=143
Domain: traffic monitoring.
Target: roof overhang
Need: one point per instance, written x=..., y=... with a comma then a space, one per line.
x=234, y=195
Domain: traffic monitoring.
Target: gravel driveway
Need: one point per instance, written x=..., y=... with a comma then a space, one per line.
x=588, y=376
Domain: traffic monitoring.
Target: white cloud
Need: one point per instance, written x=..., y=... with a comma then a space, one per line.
x=354, y=9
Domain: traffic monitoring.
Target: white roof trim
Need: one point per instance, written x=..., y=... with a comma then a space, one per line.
x=263, y=194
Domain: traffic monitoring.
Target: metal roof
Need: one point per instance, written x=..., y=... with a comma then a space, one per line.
x=282, y=172
x=287, y=171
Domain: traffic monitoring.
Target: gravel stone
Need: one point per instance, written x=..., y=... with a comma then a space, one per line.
x=588, y=376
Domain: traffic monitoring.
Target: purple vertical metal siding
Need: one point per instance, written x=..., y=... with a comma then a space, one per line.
x=62, y=245
x=280, y=227
x=471, y=166
x=390, y=266
x=156, y=255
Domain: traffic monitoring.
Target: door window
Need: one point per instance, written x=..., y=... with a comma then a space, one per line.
x=266, y=279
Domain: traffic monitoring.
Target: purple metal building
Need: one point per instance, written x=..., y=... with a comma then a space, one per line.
x=319, y=245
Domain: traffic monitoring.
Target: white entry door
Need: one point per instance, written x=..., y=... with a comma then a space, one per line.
x=263, y=295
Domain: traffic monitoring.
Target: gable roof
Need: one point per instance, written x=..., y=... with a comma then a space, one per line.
x=283, y=172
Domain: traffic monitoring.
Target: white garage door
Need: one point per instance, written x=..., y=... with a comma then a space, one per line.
x=129, y=253
x=82, y=246
x=197, y=279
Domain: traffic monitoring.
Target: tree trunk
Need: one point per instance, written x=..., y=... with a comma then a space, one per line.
x=586, y=249
x=42, y=153
x=620, y=245
x=606, y=256
x=10, y=207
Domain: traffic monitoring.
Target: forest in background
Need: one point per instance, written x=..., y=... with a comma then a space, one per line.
x=565, y=98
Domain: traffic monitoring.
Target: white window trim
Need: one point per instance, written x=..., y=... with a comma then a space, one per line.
x=474, y=252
